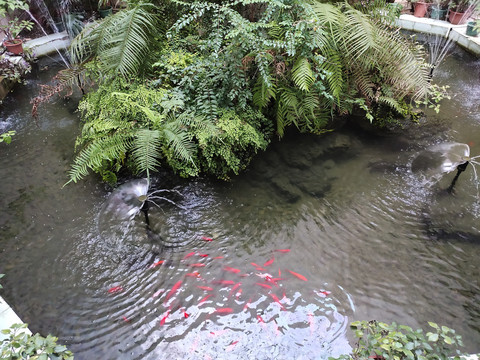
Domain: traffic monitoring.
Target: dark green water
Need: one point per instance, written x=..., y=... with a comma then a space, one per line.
x=372, y=241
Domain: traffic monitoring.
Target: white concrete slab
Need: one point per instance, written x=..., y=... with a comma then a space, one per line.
x=8, y=318
x=48, y=44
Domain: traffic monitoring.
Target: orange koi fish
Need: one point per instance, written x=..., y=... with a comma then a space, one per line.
x=269, y=262
x=115, y=289
x=223, y=311
x=194, y=274
x=223, y=282
x=218, y=257
x=323, y=293
x=162, y=322
x=231, y=346
x=174, y=289
x=247, y=303
x=277, y=300
x=233, y=270
x=235, y=287
x=157, y=263
x=206, y=288
x=263, y=285
x=301, y=277
x=283, y=250
x=189, y=255
x=197, y=265
x=206, y=238
x=205, y=299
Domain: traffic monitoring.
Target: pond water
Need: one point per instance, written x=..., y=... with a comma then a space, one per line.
x=367, y=239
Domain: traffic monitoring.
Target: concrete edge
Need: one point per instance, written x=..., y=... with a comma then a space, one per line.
x=8, y=317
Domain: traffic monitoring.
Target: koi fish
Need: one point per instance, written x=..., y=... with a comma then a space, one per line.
x=206, y=288
x=205, y=299
x=260, y=319
x=185, y=314
x=323, y=293
x=157, y=293
x=203, y=255
x=125, y=319
x=174, y=289
x=301, y=277
x=197, y=265
x=279, y=273
x=206, y=238
x=194, y=274
x=218, y=257
x=223, y=282
x=224, y=311
x=235, y=287
x=239, y=293
x=231, y=346
x=269, y=262
x=247, y=303
x=233, y=270
x=189, y=255
x=283, y=250
x=162, y=322
x=157, y=263
x=277, y=300
x=115, y=289
x=263, y=285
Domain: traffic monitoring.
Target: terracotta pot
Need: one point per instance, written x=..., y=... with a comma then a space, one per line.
x=457, y=18
x=420, y=9
x=14, y=46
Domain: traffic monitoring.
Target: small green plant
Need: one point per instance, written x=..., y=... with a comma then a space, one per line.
x=1, y=276
x=21, y=345
x=379, y=340
x=13, y=27
x=7, y=138
x=437, y=94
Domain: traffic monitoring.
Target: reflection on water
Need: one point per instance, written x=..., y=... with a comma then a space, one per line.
x=367, y=240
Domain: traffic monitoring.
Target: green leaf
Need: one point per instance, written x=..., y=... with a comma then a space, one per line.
x=448, y=340
x=432, y=337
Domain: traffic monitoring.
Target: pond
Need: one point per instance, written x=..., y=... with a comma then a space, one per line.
x=318, y=232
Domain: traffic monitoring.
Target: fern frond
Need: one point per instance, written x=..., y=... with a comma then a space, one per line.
x=146, y=150
x=302, y=74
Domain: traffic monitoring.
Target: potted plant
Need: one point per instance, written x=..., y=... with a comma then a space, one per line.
x=439, y=9
x=473, y=28
x=459, y=12
x=104, y=8
x=421, y=7
x=13, y=26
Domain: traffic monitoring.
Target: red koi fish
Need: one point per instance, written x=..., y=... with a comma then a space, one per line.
x=194, y=274
x=300, y=276
x=115, y=289
x=277, y=300
x=205, y=299
x=206, y=288
x=283, y=250
x=223, y=282
x=260, y=319
x=235, y=287
x=323, y=293
x=203, y=255
x=233, y=270
x=231, y=346
x=218, y=257
x=197, y=265
x=223, y=311
x=125, y=319
x=162, y=322
x=247, y=303
x=206, y=238
x=157, y=263
x=279, y=273
x=269, y=262
x=263, y=285
x=189, y=255
x=239, y=293
x=185, y=314
x=174, y=289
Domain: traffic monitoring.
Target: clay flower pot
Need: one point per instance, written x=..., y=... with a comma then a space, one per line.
x=420, y=9
x=457, y=18
x=14, y=46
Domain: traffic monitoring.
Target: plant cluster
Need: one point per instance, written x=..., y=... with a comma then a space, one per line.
x=399, y=342
x=14, y=69
x=6, y=138
x=14, y=26
x=21, y=345
x=238, y=72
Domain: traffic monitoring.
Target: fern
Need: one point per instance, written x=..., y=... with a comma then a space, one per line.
x=302, y=74
x=146, y=150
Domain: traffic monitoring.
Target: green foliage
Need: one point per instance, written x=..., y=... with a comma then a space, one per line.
x=14, y=26
x=400, y=342
x=437, y=94
x=7, y=138
x=20, y=345
x=1, y=276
